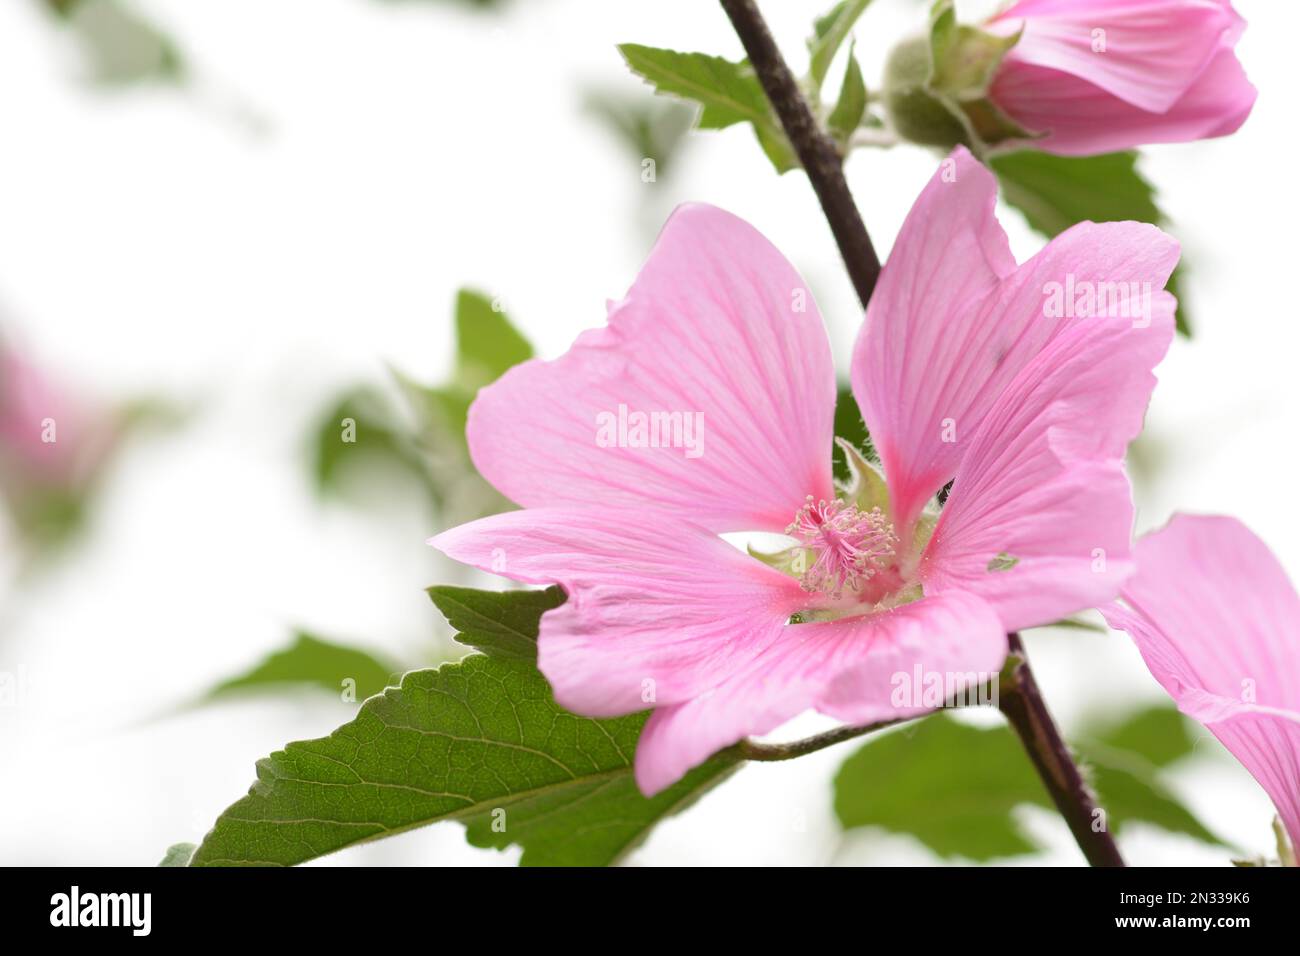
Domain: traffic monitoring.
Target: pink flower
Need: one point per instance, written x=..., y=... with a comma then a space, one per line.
x=1218, y=624
x=1103, y=75
x=959, y=371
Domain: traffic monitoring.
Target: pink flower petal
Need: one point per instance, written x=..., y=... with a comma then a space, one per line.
x=1218, y=623
x=910, y=353
x=717, y=327
x=1083, y=120
x=954, y=320
x=848, y=669
x=1154, y=49
x=1043, y=481
x=658, y=610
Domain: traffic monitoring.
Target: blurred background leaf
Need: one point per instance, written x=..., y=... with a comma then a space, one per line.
x=829, y=32
x=421, y=430
x=312, y=662
x=120, y=46
x=649, y=127
x=954, y=786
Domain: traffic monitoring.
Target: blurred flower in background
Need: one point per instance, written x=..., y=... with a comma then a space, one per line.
x=53, y=446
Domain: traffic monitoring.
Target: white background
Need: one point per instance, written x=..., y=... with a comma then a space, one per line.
x=302, y=214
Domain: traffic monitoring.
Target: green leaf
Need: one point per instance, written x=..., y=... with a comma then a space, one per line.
x=313, y=662
x=1125, y=759
x=178, y=854
x=499, y=623
x=487, y=345
x=850, y=427
x=851, y=105
x=1055, y=192
x=728, y=93
x=1160, y=734
x=361, y=425
x=120, y=46
x=480, y=741
x=829, y=32
x=650, y=127
x=953, y=787
x=1129, y=789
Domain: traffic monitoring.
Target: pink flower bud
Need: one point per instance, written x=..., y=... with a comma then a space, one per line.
x=1094, y=76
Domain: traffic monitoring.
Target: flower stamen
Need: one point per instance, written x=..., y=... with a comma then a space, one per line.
x=848, y=546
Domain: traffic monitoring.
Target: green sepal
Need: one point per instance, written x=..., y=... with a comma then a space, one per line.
x=866, y=487
x=938, y=86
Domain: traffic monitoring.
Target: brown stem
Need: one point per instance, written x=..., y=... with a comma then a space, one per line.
x=1023, y=705
x=753, y=750
x=816, y=151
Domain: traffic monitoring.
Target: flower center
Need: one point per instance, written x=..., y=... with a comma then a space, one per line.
x=847, y=546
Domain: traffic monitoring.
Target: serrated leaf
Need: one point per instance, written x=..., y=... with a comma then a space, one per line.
x=1056, y=192
x=498, y=623
x=310, y=661
x=954, y=787
x=480, y=741
x=851, y=105
x=829, y=33
x=727, y=92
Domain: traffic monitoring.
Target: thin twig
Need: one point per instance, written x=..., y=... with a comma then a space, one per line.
x=753, y=750
x=1022, y=703
x=817, y=152
x=973, y=696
